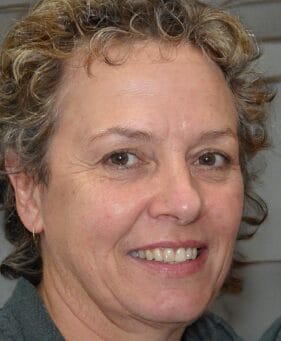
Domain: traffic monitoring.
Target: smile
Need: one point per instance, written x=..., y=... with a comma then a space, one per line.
x=167, y=255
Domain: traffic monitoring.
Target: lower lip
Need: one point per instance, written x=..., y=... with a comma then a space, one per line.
x=176, y=270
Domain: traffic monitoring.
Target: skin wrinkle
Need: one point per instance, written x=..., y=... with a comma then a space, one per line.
x=146, y=136
x=118, y=133
x=66, y=301
x=124, y=327
x=54, y=22
x=108, y=211
x=91, y=62
x=134, y=89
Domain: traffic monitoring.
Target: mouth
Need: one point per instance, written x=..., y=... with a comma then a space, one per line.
x=168, y=255
x=171, y=260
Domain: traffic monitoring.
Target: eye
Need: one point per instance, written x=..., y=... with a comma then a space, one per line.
x=122, y=159
x=213, y=160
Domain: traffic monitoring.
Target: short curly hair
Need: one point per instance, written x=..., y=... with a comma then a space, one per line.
x=37, y=48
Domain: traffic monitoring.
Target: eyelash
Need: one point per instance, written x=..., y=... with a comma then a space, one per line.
x=227, y=160
x=107, y=159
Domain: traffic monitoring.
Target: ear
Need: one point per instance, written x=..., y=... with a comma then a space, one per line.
x=27, y=194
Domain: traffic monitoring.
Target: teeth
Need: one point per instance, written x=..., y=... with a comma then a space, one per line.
x=180, y=255
x=194, y=253
x=188, y=253
x=141, y=254
x=148, y=255
x=167, y=255
x=158, y=255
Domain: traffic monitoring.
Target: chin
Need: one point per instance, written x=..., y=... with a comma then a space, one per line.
x=179, y=310
x=187, y=316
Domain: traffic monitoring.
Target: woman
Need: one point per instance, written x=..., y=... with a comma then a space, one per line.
x=126, y=127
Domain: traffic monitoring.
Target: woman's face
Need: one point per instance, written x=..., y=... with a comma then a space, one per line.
x=144, y=164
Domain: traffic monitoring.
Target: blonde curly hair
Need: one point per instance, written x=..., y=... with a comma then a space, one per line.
x=37, y=48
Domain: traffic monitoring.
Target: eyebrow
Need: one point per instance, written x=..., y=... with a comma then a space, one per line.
x=147, y=136
x=129, y=133
x=216, y=134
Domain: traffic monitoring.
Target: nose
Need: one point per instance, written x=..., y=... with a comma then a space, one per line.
x=176, y=197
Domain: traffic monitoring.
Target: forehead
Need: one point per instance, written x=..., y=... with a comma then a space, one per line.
x=155, y=82
x=157, y=56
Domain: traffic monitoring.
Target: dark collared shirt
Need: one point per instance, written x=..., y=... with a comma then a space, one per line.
x=274, y=332
x=24, y=318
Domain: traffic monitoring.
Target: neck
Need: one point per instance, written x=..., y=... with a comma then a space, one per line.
x=79, y=318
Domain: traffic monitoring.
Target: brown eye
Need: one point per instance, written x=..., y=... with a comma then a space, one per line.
x=211, y=159
x=123, y=159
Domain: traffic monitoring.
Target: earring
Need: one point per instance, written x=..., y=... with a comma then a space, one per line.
x=33, y=234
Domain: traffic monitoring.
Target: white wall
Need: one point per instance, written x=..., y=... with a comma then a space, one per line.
x=260, y=302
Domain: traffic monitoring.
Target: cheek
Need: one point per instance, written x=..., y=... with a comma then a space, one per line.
x=102, y=213
x=225, y=210
x=224, y=218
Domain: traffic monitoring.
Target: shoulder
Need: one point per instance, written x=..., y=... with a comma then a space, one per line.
x=24, y=317
x=273, y=333
x=9, y=326
x=210, y=327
